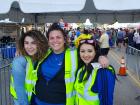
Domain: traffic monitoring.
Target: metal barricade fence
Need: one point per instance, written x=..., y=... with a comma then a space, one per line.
x=133, y=61
x=5, y=97
x=6, y=56
x=11, y=44
x=8, y=52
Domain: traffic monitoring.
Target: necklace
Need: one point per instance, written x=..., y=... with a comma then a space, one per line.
x=58, y=61
x=58, y=58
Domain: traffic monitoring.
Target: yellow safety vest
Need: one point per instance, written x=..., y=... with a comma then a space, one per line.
x=71, y=64
x=28, y=68
x=31, y=76
x=84, y=95
x=70, y=70
x=30, y=79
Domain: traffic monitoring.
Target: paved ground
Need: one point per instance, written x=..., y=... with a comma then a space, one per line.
x=127, y=90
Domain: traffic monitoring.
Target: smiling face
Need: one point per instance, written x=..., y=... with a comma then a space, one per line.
x=56, y=41
x=30, y=46
x=87, y=53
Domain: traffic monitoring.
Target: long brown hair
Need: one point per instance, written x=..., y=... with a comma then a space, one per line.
x=88, y=67
x=41, y=41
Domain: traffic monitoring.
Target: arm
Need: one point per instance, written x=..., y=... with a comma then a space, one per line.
x=104, y=86
x=19, y=73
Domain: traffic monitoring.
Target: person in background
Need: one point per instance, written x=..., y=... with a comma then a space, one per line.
x=78, y=32
x=72, y=40
x=94, y=85
x=56, y=73
x=131, y=42
x=136, y=39
x=104, y=43
x=32, y=46
x=120, y=38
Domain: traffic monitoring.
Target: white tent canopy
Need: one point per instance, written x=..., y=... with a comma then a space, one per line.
x=117, y=5
x=40, y=11
x=42, y=6
x=88, y=23
x=7, y=21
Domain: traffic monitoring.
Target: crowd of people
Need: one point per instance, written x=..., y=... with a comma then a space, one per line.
x=117, y=37
x=49, y=71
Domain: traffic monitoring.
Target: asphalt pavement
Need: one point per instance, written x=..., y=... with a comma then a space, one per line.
x=127, y=89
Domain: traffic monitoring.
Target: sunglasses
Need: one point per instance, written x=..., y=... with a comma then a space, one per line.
x=90, y=41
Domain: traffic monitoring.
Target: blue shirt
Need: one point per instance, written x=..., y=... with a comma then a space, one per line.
x=52, y=65
x=104, y=86
x=120, y=35
x=78, y=33
x=49, y=68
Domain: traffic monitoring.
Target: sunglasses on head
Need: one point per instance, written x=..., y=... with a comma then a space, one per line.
x=90, y=41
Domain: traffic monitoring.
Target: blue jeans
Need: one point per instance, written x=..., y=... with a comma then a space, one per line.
x=19, y=73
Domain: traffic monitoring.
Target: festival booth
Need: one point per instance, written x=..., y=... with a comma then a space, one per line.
x=88, y=24
x=9, y=31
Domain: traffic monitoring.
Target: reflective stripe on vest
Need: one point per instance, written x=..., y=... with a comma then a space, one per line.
x=29, y=83
x=86, y=95
x=70, y=70
x=83, y=90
